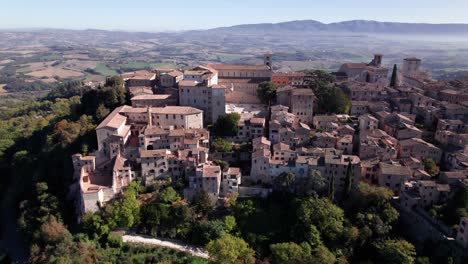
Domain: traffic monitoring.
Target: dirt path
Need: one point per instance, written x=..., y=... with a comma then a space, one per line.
x=194, y=251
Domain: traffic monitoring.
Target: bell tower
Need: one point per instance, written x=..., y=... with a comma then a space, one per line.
x=377, y=62
x=267, y=60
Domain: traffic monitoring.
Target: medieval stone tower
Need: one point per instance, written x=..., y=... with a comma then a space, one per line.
x=267, y=60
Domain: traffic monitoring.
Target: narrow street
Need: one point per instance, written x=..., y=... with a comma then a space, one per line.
x=180, y=246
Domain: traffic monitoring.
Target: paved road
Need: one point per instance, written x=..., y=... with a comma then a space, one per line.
x=194, y=251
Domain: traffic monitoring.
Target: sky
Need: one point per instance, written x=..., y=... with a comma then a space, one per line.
x=168, y=15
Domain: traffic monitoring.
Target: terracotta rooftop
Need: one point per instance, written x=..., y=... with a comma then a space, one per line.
x=154, y=153
x=239, y=67
x=176, y=110
x=175, y=73
x=211, y=171
x=257, y=120
x=188, y=83
x=140, y=90
x=233, y=170
x=151, y=97
x=140, y=75
x=281, y=146
x=414, y=141
x=260, y=140
x=394, y=169
x=113, y=120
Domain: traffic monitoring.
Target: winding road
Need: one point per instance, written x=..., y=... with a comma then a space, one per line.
x=180, y=246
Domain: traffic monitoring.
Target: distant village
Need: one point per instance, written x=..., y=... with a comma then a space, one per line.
x=389, y=134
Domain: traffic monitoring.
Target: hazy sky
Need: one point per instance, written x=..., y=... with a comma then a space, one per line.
x=158, y=15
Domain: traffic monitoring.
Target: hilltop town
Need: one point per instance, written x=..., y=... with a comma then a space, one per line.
x=243, y=130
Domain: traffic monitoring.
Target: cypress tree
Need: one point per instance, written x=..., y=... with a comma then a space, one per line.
x=349, y=174
x=331, y=187
x=394, y=79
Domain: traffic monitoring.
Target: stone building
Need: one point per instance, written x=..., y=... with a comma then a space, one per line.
x=171, y=79
x=372, y=72
x=411, y=67
x=418, y=148
x=288, y=78
x=139, y=78
x=200, y=89
x=153, y=100
x=241, y=81
x=299, y=100
x=393, y=176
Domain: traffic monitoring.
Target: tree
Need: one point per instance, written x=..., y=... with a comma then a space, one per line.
x=230, y=223
x=289, y=253
x=431, y=167
x=331, y=187
x=168, y=195
x=101, y=112
x=396, y=251
x=203, y=203
x=285, y=181
x=318, y=79
x=331, y=99
x=322, y=255
x=335, y=101
x=38, y=210
x=266, y=92
x=370, y=208
x=229, y=249
x=348, y=181
x=221, y=145
x=313, y=183
x=323, y=214
x=94, y=225
x=124, y=213
x=456, y=207
x=394, y=79
x=312, y=235
x=150, y=216
x=221, y=163
x=227, y=125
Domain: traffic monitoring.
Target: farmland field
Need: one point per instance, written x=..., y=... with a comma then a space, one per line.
x=55, y=71
x=105, y=70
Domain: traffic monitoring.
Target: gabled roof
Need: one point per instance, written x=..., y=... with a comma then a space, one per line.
x=239, y=67
x=114, y=120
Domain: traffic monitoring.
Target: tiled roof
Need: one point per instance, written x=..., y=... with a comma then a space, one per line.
x=233, y=170
x=151, y=97
x=113, y=120
x=394, y=169
x=140, y=75
x=239, y=67
x=211, y=171
x=175, y=73
x=176, y=110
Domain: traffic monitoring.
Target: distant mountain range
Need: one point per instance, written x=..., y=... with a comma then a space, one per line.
x=290, y=27
x=354, y=26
